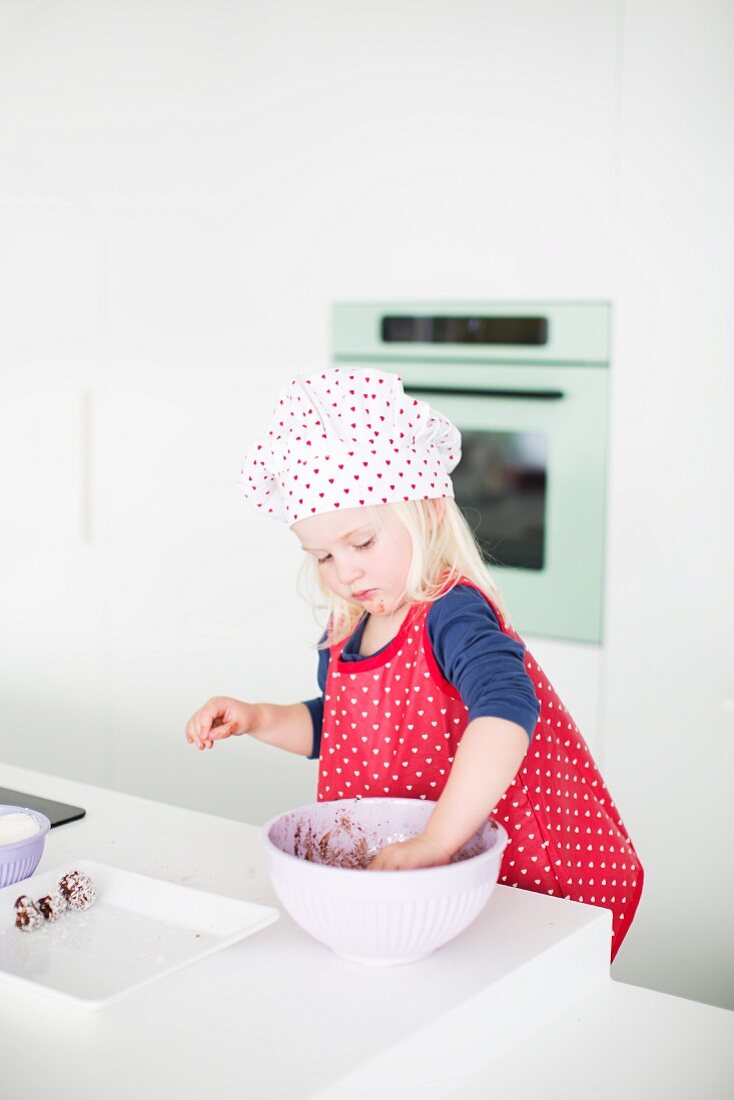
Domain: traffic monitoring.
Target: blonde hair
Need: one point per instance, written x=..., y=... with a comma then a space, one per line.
x=444, y=551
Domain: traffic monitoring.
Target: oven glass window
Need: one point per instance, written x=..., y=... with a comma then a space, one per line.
x=500, y=486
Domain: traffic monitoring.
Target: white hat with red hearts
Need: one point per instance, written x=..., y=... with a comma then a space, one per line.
x=345, y=438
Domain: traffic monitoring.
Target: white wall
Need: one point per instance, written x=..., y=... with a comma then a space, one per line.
x=669, y=657
x=185, y=188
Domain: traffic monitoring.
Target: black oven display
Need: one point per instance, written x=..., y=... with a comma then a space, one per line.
x=486, y=329
x=500, y=485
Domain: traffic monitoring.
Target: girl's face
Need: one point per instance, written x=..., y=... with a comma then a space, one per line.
x=363, y=555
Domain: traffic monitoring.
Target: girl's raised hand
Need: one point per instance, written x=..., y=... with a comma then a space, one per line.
x=220, y=717
x=406, y=855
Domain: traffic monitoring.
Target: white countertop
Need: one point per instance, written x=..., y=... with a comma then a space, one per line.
x=522, y=1001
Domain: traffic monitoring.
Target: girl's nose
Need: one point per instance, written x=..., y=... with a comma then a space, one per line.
x=348, y=571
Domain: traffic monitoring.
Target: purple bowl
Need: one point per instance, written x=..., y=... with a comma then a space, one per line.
x=20, y=859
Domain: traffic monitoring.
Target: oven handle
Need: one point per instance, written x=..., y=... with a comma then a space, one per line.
x=465, y=391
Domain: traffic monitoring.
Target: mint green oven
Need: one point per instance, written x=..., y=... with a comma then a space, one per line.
x=527, y=385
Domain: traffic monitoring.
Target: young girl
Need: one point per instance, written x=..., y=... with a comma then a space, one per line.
x=427, y=691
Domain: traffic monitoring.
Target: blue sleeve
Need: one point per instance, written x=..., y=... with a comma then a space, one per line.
x=316, y=706
x=484, y=664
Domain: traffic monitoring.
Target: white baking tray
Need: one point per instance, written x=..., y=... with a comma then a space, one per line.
x=138, y=930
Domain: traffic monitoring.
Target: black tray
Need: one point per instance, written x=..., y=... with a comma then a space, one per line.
x=58, y=813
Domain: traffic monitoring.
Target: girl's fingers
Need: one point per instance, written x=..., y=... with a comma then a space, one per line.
x=205, y=736
x=195, y=734
x=219, y=732
x=203, y=723
x=208, y=726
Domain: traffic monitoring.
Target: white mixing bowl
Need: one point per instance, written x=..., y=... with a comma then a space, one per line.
x=316, y=857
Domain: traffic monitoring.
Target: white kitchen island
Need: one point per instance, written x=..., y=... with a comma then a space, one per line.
x=519, y=1005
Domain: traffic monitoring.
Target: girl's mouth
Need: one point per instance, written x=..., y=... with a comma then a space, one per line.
x=360, y=597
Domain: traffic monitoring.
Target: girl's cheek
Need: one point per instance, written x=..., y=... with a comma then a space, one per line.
x=332, y=581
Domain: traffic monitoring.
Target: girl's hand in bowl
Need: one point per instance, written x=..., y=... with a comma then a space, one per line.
x=220, y=717
x=406, y=855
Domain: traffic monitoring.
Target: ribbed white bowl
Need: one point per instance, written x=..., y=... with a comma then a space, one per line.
x=377, y=917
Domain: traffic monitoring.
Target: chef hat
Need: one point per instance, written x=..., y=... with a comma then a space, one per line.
x=346, y=438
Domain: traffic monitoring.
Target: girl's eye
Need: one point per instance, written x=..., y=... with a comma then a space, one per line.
x=358, y=546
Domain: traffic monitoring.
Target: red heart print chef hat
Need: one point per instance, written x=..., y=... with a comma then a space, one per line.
x=345, y=438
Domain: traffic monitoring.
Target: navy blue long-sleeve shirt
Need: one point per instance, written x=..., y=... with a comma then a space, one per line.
x=485, y=665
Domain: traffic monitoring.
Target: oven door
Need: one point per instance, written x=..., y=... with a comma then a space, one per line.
x=531, y=482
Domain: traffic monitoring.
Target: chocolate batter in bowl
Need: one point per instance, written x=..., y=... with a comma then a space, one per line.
x=317, y=855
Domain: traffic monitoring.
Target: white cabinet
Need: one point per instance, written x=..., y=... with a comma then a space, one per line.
x=52, y=644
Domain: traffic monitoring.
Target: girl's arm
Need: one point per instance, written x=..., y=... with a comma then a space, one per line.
x=287, y=727
x=486, y=762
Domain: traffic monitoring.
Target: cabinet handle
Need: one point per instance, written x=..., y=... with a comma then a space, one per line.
x=86, y=472
x=466, y=391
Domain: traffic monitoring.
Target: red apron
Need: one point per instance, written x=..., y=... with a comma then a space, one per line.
x=392, y=724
